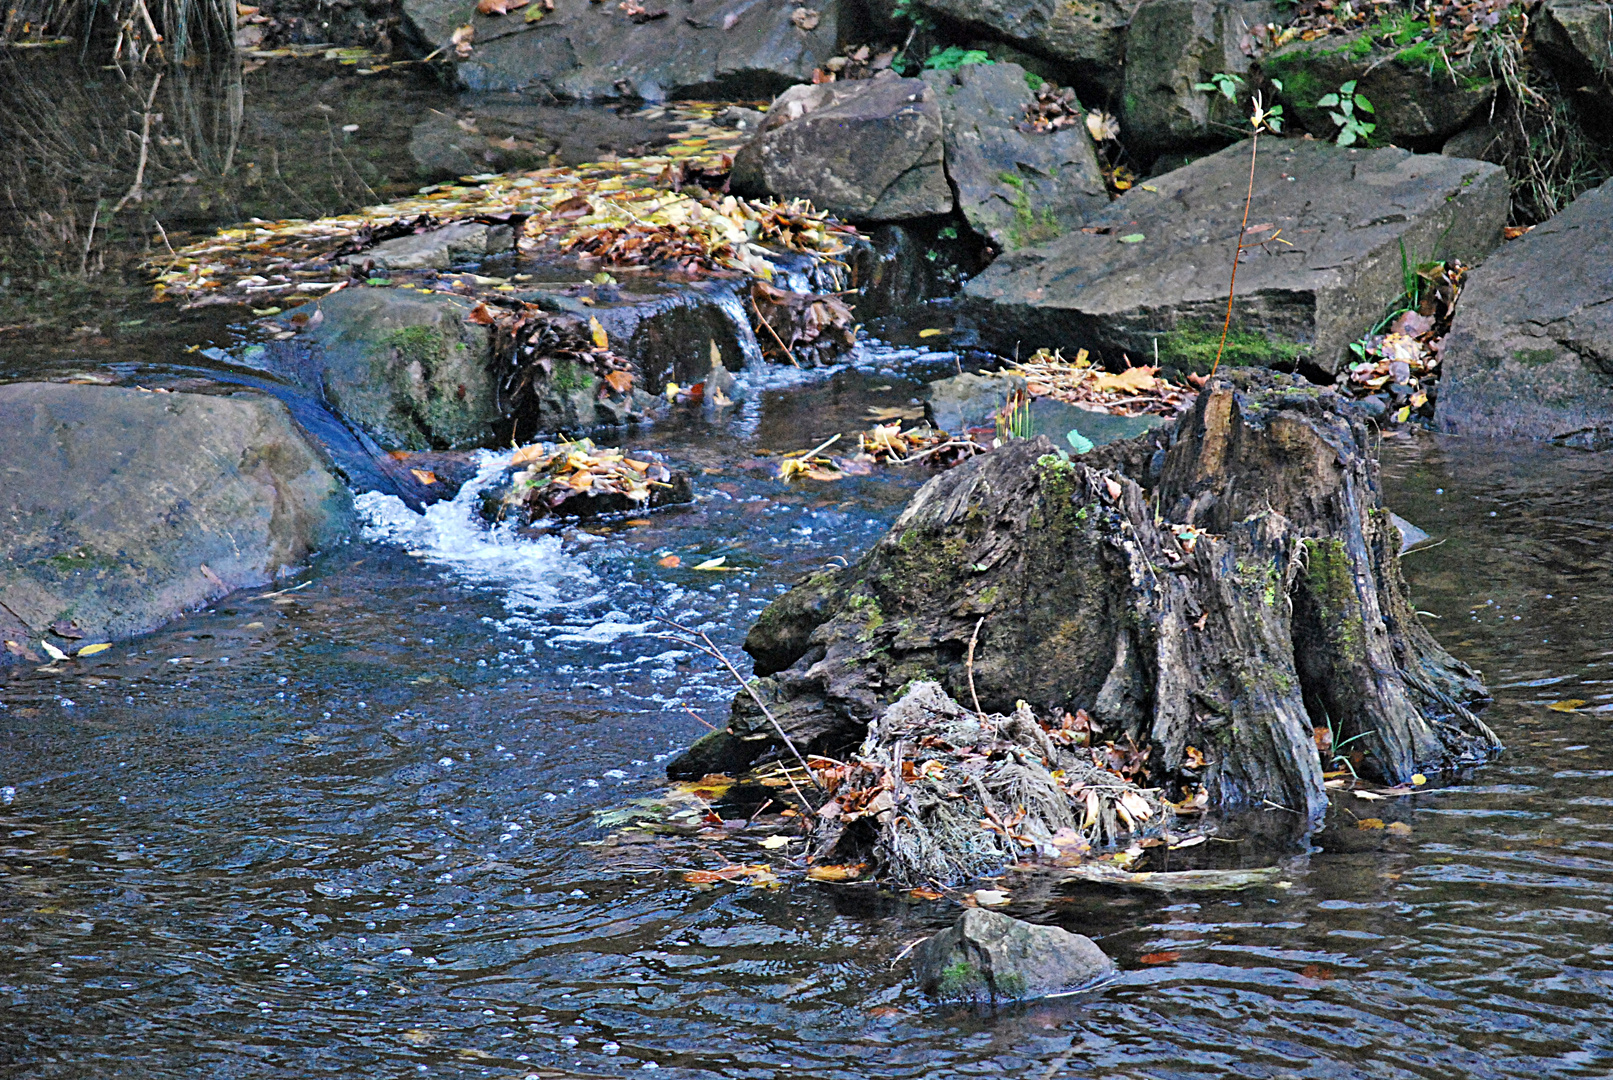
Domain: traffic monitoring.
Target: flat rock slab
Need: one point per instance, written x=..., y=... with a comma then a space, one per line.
x=1015, y=188
x=1530, y=352
x=462, y=241
x=1152, y=270
x=988, y=957
x=869, y=150
x=124, y=509
x=591, y=51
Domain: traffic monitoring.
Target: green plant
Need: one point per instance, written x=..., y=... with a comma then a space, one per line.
x=1221, y=82
x=1260, y=119
x=954, y=57
x=1348, y=108
x=1013, y=420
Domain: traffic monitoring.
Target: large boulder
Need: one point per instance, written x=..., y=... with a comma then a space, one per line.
x=1151, y=271
x=1420, y=100
x=124, y=508
x=406, y=366
x=1015, y=188
x=988, y=957
x=1576, y=36
x=580, y=50
x=869, y=150
x=1530, y=352
x=1174, y=45
x=1087, y=37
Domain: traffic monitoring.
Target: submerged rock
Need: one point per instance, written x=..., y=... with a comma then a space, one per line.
x=987, y=957
x=1014, y=187
x=868, y=150
x=1152, y=270
x=961, y=402
x=705, y=48
x=124, y=509
x=1530, y=352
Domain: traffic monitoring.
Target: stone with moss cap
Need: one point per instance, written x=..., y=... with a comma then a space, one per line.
x=1152, y=270
x=988, y=957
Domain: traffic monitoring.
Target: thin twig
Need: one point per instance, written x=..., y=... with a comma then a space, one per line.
x=136, y=189
x=710, y=649
x=969, y=667
x=774, y=332
x=1254, y=149
x=698, y=717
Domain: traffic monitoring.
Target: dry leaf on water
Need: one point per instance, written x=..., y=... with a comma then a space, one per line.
x=835, y=873
x=1166, y=957
x=500, y=7
x=670, y=562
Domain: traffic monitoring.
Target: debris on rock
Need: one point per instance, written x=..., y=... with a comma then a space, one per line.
x=940, y=793
x=579, y=480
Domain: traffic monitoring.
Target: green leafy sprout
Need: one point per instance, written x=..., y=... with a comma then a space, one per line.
x=1223, y=83
x=954, y=57
x=1348, y=110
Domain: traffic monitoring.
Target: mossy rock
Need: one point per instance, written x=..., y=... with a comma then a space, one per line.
x=987, y=957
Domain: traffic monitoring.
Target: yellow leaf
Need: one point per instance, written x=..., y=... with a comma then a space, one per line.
x=712, y=564
x=425, y=476
x=91, y=650
x=1571, y=705
x=1369, y=823
x=1418, y=779
x=1399, y=828
x=773, y=843
x=601, y=339
x=931, y=332
x=834, y=873
x=52, y=651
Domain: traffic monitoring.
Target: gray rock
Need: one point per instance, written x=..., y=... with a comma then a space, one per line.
x=968, y=400
x=1576, y=36
x=1346, y=213
x=1410, y=535
x=1484, y=141
x=438, y=249
x=1056, y=419
x=406, y=366
x=124, y=509
x=1015, y=188
x=1087, y=36
x=988, y=957
x=1172, y=45
x=708, y=48
x=1530, y=352
x=1419, y=102
x=869, y=150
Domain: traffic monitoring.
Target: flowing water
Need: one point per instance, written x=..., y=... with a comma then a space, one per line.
x=353, y=829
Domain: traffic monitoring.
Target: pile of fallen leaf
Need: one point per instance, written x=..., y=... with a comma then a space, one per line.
x=808, y=328
x=860, y=62
x=1052, y=107
x=527, y=342
x=938, y=793
x=640, y=211
x=883, y=444
x=549, y=475
x=1133, y=392
x=1399, y=364
x=1456, y=27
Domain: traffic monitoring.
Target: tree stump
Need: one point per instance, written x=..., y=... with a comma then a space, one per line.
x=1223, y=594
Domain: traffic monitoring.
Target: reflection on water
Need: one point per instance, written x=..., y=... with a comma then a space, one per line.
x=352, y=827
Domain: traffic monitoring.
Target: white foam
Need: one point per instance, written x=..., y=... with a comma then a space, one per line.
x=536, y=573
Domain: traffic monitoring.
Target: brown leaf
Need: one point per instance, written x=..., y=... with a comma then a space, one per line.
x=500, y=7
x=670, y=562
x=619, y=381
x=480, y=316
x=574, y=207
x=67, y=629
x=1166, y=957
x=425, y=476
x=835, y=873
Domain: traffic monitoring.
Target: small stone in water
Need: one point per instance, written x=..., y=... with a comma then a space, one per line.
x=445, y=762
x=611, y=1048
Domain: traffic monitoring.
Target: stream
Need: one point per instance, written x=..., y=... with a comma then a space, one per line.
x=350, y=825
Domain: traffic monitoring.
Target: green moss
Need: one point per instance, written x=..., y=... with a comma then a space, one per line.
x=83, y=559
x=1191, y=347
x=569, y=375
x=1013, y=180
x=1331, y=584
x=960, y=979
x=1422, y=54
x=425, y=344
x=1534, y=357
x=866, y=608
x=988, y=597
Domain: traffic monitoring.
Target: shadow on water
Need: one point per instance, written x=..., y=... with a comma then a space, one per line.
x=352, y=827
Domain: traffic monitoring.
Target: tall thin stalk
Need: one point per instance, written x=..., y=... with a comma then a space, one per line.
x=1262, y=119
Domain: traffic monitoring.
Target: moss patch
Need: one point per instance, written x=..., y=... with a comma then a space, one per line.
x=1191, y=347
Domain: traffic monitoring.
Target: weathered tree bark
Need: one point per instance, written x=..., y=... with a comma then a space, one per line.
x=1229, y=584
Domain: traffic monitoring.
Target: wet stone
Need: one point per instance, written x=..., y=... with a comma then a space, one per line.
x=987, y=957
